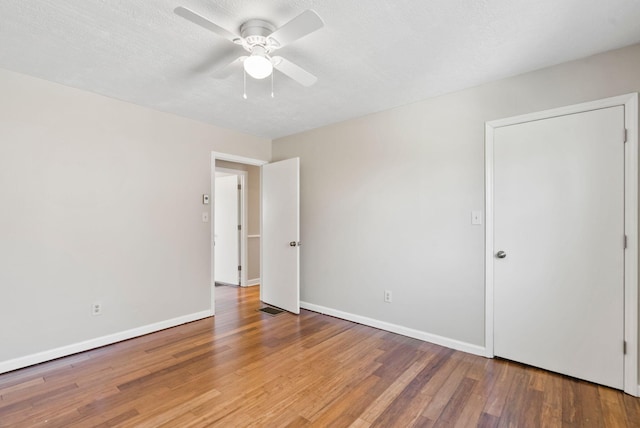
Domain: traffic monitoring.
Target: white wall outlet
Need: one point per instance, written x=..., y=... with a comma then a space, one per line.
x=476, y=217
x=387, y=296
x=96, y=309
x=205, y=217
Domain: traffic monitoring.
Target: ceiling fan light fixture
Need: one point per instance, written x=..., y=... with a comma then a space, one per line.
x=261, y=38
x=258, y=65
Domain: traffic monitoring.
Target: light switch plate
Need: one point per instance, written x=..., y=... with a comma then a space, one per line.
x=476, y=217
x=205, y=199
x=205, y=217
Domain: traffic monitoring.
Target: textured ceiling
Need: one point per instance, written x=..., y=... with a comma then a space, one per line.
x=370, y=56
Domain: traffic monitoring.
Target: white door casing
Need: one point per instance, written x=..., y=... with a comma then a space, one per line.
x=280, y=235
x=559, y=203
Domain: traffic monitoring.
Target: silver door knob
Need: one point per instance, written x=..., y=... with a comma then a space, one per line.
x=501, y=254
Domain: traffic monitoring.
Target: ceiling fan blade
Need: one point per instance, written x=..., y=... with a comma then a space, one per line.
x=226, y=70
x=303, y=24
x=190, y=15
x=293, y=71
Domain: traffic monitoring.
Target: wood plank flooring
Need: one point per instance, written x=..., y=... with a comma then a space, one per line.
x=247, y=368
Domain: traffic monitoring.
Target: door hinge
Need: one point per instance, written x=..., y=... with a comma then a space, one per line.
x=625, y=242
x=624, y=347
x=625, y=136
x=240, y=185
x=239, y=267
x=239, y=227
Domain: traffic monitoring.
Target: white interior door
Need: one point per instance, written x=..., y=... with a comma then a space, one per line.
x=226, y=235
x=559, y=219
x=280, y=228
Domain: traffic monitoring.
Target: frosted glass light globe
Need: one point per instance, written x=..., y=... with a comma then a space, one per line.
x=258, y=66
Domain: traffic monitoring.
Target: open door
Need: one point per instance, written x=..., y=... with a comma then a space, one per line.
x=227, y=232
x=280, y=241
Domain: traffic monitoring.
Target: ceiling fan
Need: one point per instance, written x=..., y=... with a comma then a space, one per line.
x=260, y=39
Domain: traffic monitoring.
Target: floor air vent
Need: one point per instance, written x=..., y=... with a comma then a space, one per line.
x=270, y=310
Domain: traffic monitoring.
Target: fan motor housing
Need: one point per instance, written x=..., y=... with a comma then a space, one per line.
x=256, y=30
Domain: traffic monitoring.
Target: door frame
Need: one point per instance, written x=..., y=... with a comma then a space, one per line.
x=242, y=177
x=630, y=103
x=212, y=185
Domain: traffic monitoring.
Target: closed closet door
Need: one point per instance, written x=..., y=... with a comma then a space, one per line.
x=559, y=244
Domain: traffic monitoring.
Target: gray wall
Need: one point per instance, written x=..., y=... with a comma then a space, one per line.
x=253, y=214
x=387, y=198
x=100, y=201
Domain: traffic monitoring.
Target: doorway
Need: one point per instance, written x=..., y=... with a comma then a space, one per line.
x=282, y=239
x=249, y=172
x=561, y=254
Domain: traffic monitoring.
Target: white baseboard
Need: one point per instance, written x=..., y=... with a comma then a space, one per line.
x=254, y=281
x=394, y=328
x=63, y=351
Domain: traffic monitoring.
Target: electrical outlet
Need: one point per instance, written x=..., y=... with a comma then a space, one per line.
x=96, y=309
x=387, y=296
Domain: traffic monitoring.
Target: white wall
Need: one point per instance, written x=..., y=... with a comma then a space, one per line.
x=387, y=198
x=100, y=200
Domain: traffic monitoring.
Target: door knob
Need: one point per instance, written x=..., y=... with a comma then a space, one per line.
x=293, y=243
x=501, y=254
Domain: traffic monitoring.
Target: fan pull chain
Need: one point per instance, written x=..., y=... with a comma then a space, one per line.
x=272, y=73
x=244, y=94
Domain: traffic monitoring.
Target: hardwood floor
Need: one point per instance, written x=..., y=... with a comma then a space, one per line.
x=246, y=368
